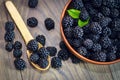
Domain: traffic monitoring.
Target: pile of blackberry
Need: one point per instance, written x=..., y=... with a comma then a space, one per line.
x=98, y=40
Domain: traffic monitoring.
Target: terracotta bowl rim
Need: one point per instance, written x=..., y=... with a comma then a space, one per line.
x=70, y=47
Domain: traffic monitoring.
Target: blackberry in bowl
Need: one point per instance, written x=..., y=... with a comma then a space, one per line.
x=93, y=33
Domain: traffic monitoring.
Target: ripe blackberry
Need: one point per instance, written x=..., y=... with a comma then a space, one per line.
x=41, y=39
x=9, y=36
x=96, y=47
x=109, y=3
x=105, y=11
x=67, y=22
x=111, y=57
x=97, y=17
x=88, y=43
x=9, y=46
x=62, y=45
x=56, y=62
x=52, y=50
x=74, y=59
x=84, y=15
x=34, y=58
x=32, y=22
x=78, y=32
x=49, y=24
x=77, y=4
x=43, y=63
x=105, y=21
x=43, y=53
x=99, y=56
x=82, y=51
x=86, y=29
x=106, y=31
x=112, y=49
x=68, y=32
x=114, y=13
x=32, y=45
x=116, y=24
x=63, y=55
x=20, y=64
x=76, y=43
x=32, y=3
x=95, y=28
x=9, y=26
x=96, y=3
x=17, y=53
x=105, y=42
x=17, y=45
x=94, y=38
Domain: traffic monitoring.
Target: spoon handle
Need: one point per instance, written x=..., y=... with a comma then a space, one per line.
x=19, y=21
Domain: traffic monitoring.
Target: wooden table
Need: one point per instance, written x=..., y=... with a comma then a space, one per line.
x=69, y=71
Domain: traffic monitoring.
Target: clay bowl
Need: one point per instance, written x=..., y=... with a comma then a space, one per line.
x=70, y=47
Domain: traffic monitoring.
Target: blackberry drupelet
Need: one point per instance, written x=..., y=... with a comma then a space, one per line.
x=88, y=43
x=17, y=53
x=56, y=62
x=52, y=50
x=77, y=4
x=32, y=22
x=68, y=32
x=97, y=17
x=9, y=46
x=43, y=53
x=114, y=13
x=74, y=59
x=67, y=22
x=76, y=43
x=9, y=36
x=63, y=55
x=34, y=57
x=96, y=47
x=106, y=31
x=96, y=3
x=32, y=3
x=20, y=64
x=9, y=26
x=41, y=39
x=105, y=11
x=62, y=45
x=78, y=32
x=43, y=63
x=116, y=24
x=95, y=28
x=49, y=24
x=82, y=51
x=32, y=45
x=17, y=45
x=111, y=57
x=84, y=15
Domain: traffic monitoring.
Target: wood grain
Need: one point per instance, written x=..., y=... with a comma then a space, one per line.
x=69, y=71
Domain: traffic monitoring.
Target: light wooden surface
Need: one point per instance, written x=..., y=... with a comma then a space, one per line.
x=69, y=71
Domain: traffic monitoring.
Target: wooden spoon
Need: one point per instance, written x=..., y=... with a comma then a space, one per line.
x=23, y=30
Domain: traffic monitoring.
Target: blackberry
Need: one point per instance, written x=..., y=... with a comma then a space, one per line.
x=9, y=26
x=105, y=11
x=76, y=43
x=95, y=28
x=41, y=39
x=52, y=50
x=32, y=22
x=105, y=21
x=49, y=24
x=70, y=41
x=20, y=64
x=94, y=38
x=105, y=42
x=111, y=57
x=82, y=51
x=78, y=32
x=9, y=46
x=109, y=3
x=68, y=32
x=114, y=13
x=112, y=49
x=63, y=55
x=96, y=3
x=116, y=24
x=9, y=36
x=88, y=43
x=17, y=53
x=67, y=22
x=106, y=31
x=43, y=63
x=99, y=56
x=96, y=47
x=62, y=45
x=86, y=29
x=17, y=45
x=77, y=4
x=32, y=3
x=56, y=62
x=32, y=45
x=97, y=17
x=74, y=59
x=43, y=53
x=84, y=15
x=34, y=58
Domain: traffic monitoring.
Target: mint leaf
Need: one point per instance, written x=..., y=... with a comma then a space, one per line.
x=82, y=23
x=74, y=13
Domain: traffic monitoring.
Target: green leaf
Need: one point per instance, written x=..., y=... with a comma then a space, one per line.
x=74, y=13
x=82, y=23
